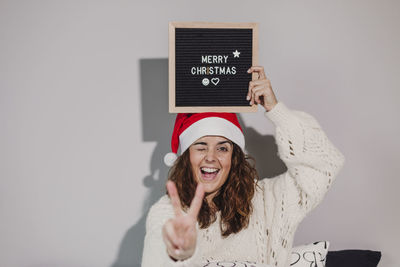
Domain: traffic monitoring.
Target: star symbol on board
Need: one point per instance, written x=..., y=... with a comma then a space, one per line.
x=236, y=53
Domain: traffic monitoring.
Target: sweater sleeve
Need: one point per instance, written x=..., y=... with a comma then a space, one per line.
x=154, y=250
x=312, y=161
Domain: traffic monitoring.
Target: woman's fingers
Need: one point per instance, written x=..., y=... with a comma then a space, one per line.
x=179, y=233
x=196, y=202
x=260, y=90
x=259, y=70
x=252, y=86
x=173, y=194
x=256, y=82
x=258, y=94
x=261, y=81
x=170, y=236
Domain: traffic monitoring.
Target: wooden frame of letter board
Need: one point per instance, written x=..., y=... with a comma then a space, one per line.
x=171, y=65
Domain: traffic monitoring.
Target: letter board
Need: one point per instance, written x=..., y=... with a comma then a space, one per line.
x=208, y=65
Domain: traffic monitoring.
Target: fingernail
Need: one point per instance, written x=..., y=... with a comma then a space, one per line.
x=249, y=70
x=247, y=98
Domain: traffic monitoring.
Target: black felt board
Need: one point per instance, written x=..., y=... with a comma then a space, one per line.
x=211, y=66
x=192, y=46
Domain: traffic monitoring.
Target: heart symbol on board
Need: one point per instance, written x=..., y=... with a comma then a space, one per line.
x=215, y=81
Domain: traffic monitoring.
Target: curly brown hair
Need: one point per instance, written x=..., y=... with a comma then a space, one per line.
x=233, y=199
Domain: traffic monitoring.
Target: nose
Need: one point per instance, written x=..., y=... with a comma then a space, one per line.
x=210, y=156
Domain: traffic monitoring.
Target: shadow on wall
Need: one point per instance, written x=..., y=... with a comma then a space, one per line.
x=157, y=125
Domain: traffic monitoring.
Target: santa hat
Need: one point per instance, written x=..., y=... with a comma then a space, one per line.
x=191, y=126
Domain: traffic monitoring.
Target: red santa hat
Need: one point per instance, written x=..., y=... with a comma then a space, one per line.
x=191, y=126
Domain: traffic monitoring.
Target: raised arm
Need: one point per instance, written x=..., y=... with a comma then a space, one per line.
x=312, y=160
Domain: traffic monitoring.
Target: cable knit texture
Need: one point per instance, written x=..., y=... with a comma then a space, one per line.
x=280, y=203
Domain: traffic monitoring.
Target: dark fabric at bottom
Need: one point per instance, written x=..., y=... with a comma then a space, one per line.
x=353, y=258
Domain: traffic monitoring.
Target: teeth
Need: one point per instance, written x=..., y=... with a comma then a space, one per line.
x=209, y=170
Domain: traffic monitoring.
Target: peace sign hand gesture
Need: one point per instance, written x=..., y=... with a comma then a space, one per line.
x=179, y=233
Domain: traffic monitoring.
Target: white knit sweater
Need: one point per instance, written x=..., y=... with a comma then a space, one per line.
x=280, y=203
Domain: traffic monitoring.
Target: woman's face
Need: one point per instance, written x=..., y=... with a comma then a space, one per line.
x=210, y=158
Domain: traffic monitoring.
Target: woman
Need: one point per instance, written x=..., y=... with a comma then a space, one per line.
x=216, y=208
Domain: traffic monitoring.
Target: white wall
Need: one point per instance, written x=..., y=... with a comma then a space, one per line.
x=84, y=123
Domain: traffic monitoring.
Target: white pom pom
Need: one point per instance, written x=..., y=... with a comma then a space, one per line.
x=170, y=158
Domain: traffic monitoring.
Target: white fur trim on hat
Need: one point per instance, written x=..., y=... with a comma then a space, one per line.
x=170, y=158
x=211, y=126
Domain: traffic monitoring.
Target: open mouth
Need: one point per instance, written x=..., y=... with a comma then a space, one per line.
x=208, y=173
